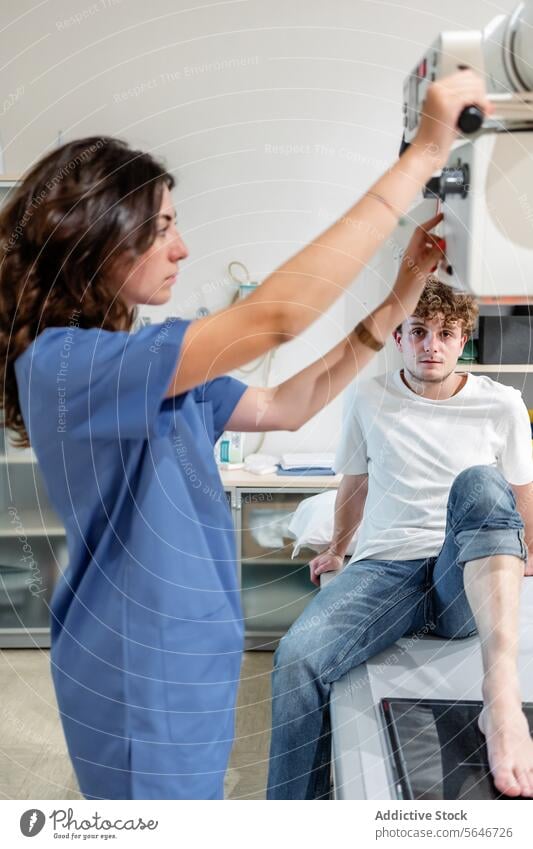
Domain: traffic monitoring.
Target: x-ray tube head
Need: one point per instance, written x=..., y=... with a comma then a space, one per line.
x=486, y=187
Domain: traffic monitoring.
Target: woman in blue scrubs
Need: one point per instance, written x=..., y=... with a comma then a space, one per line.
x=146, y=620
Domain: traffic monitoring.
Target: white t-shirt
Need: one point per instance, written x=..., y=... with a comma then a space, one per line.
x=412, y=449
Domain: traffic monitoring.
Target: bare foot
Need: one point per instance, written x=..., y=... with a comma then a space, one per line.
x=509, y=746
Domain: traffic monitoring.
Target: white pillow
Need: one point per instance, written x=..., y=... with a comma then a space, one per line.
x=312, y=523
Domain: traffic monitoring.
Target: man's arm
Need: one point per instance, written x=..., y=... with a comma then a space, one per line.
x=524, y=505
x=349, y=507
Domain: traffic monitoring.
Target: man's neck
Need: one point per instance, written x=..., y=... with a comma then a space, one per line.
x=434, y=390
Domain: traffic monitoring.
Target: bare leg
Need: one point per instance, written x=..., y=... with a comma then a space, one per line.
x=492, y=586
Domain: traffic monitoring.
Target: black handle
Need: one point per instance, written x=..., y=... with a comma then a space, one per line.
x=404, y=145
x=470, y=119
x=432, y=189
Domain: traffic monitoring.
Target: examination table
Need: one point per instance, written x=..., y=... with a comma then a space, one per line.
x=434, y=759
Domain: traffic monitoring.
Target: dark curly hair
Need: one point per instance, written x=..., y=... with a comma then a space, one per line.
x=438, y=298
x=78, y=213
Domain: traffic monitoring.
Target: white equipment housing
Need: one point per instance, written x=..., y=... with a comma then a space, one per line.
x=487, y=186
x=489, y=230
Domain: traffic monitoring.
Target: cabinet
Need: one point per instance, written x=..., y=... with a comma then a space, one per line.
x=32, y=541
x=7, y=182
x=33, y=550
x=275, y=588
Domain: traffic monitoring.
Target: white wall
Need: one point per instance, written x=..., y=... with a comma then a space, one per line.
x=273, y=116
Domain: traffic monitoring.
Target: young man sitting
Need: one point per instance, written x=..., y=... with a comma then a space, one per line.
x=438, y=478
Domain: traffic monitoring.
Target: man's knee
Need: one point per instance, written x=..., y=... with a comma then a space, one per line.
x=480, y=490
x=299, y=648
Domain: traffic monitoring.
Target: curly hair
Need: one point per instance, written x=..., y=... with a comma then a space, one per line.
x=438, y=298
x=81, y=212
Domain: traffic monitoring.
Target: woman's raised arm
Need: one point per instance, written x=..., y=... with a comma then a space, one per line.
x=300, y=290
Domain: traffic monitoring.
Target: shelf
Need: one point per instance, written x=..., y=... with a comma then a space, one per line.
x=246, y=480
x=287, y=563
x=497, y=369
x=31, y=524
x=25, y=638
x=49, y=531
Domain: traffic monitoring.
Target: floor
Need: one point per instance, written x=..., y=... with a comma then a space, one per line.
x=34, y=763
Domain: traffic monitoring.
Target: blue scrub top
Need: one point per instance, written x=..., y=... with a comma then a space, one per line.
x=146, y=620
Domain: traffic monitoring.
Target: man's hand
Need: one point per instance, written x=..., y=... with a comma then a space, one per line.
x=422, y=255
x=325, y=562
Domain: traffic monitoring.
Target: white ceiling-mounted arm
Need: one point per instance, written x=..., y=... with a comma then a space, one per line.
x=508, y=50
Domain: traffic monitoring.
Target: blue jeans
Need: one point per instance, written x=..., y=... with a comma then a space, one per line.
x=365, y=609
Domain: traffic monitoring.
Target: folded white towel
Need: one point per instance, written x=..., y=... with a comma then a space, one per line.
x=261, y=464
x=311, y=460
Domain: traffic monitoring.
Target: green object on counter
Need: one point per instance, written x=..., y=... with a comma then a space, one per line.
x=232, y=447
x=469, y=354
